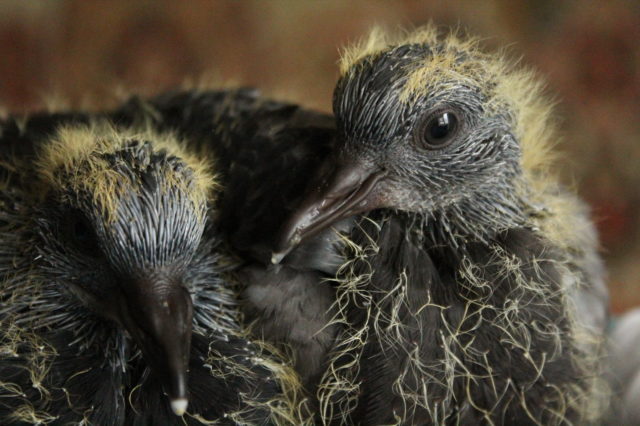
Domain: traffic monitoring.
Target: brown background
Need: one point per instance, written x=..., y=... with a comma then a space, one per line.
x=81, y=51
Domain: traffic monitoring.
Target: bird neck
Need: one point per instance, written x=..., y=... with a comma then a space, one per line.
x=60, y=319
x=476, y=218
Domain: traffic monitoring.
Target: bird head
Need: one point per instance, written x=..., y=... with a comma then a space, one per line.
x=122, y=217
x=429, y=125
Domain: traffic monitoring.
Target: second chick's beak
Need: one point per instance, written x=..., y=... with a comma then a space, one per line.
x=157, y=313
x=340, y=191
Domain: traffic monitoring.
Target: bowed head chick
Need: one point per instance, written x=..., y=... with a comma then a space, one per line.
x=266, y=152
x=116, y=307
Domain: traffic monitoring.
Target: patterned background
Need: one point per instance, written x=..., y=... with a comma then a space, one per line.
x=88, y=53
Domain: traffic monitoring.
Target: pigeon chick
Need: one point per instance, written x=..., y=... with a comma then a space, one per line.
x=472, y=290
x=115, y=303
x=266, y=151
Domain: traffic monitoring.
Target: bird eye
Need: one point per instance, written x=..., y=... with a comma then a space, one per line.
x=82, y=235
x=81, y=231
x=440, y=129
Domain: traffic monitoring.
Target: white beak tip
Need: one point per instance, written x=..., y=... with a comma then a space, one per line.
x=277, y=257
x=179, y=406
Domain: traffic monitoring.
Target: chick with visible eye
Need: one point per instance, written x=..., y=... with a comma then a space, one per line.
x=472, y=291
x=116, y=302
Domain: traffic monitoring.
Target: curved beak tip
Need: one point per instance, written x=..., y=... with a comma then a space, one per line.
x=345, y=192
x=276, y=258
x=179, y=406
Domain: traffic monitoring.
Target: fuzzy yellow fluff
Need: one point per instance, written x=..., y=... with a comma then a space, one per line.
x=72, y=159
x=557, y=214
x=458, y=59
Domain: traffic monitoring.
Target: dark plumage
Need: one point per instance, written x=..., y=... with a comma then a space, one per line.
x=465, y=282
x=472, y=292
x=116, y=305
x=266, y=153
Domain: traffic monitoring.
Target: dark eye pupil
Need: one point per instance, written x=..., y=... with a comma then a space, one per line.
x=81, y=231
x=440, y=129
x=83, y=236
x=441, y=126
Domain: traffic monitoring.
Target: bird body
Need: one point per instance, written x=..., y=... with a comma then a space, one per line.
x=471, y=290
x=117, y=305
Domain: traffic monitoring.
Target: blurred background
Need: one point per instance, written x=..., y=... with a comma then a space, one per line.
x=87, y=53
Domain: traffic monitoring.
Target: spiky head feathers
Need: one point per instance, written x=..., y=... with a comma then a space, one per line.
x=453, y=60
x=140, y=190
x=432, y=126
x=119, y=228
x=94, y=159
x=447, y=122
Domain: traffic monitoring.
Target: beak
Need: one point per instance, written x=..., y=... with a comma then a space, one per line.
x=344, y=191
x=158, y=315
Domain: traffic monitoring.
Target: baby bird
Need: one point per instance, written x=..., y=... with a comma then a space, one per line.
x=266, y=151
x=116, y=307
x=471, y=290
